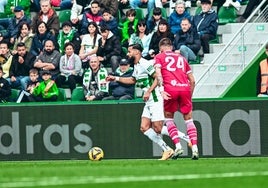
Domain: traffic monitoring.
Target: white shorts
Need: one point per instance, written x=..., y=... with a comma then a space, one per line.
x=154, y=111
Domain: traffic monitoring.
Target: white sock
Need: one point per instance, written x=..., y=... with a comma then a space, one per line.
x=152, y=135
x=178, y=146
x=194, y=148
x=164, y=131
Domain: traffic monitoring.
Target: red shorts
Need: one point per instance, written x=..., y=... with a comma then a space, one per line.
x=180, y=100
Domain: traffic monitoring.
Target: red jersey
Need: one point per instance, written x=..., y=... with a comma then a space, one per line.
x=174, y=70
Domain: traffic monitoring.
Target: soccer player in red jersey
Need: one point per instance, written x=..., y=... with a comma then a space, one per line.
x=177, y=84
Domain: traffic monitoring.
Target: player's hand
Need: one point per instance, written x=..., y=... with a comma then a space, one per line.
x=146, y=96
x=165, y=95
x=110, y=78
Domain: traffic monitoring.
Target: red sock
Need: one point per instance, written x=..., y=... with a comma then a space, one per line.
x=172, y=131
x=191, y=131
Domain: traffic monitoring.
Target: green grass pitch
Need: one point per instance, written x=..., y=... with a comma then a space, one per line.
x=245, y=172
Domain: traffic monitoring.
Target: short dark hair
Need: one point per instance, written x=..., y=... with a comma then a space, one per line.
x=68, y=44
x=95, y=2
x=165, y=42
x=266, y=46
x=33, y=70
x=157, y=11
x=104, y=28
x=21, y=44
x=136, y=46
x=131, y=12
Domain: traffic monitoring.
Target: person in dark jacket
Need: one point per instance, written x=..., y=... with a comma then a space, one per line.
x=15, y=22
x=109, y=20
x=121, y=91
x=206, y=24
x=68, y=34
x=21, y=64
x=187, y=41
x=47, y=15
x=163, y=31
x=39, y=39
x=109, y=48
x=5, y=89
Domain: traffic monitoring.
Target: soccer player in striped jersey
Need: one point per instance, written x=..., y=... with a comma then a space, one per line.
x=176, y=83
x=144, y=76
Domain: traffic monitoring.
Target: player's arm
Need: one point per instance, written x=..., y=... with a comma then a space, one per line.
x=147, y=94
x=159, y=77
x=192, y=81
x=124, y=80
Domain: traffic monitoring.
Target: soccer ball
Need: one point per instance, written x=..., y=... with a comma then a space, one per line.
x=95, y=154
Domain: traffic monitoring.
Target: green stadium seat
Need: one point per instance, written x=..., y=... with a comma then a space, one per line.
x=62, y=95
x=78, y=94
x=14, y=95
x=227, y=15
x=64, y=15
x=139, y=14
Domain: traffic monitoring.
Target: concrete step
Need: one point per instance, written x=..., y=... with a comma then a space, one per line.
x=235, y=58
x=250, y=37
x=233, y=27
x=236, y=48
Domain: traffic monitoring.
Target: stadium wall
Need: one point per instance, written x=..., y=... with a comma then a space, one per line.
x=55, y=131
x=246, y=84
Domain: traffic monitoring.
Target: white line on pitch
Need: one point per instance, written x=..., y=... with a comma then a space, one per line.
x=77, y=180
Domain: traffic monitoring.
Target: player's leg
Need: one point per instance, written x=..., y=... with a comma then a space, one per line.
x=186, y=110
x=171, y=106
x=147, y=130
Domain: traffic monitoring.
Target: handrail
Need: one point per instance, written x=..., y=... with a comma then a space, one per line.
x=230, y=42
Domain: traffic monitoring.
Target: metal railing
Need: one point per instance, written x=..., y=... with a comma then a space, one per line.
x=234, y=56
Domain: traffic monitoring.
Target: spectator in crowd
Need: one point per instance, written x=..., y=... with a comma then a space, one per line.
x=77, y=11
x=109, y=20
x=163, y=31
x=47, y=15
x=24, y=35
x=48, y=60
x=68, y=34
x=21, y=63
x=5, y=58
x=249, y=9
x=129, y=27
x=5, y=89
x=89, y=44
x=15, y=22
x=112, y=5
x=33, y=82
x=152, y=22
x=109, y=48
x=206, y=24
x=39, y=39
x=46, y=91
x=177, y=15
x=94, y=83
x=121, y=91
x=262, y=76
x=187, y=42
x=134, y=4
x=142, y=36
x=70, y=68
x=91, y=15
